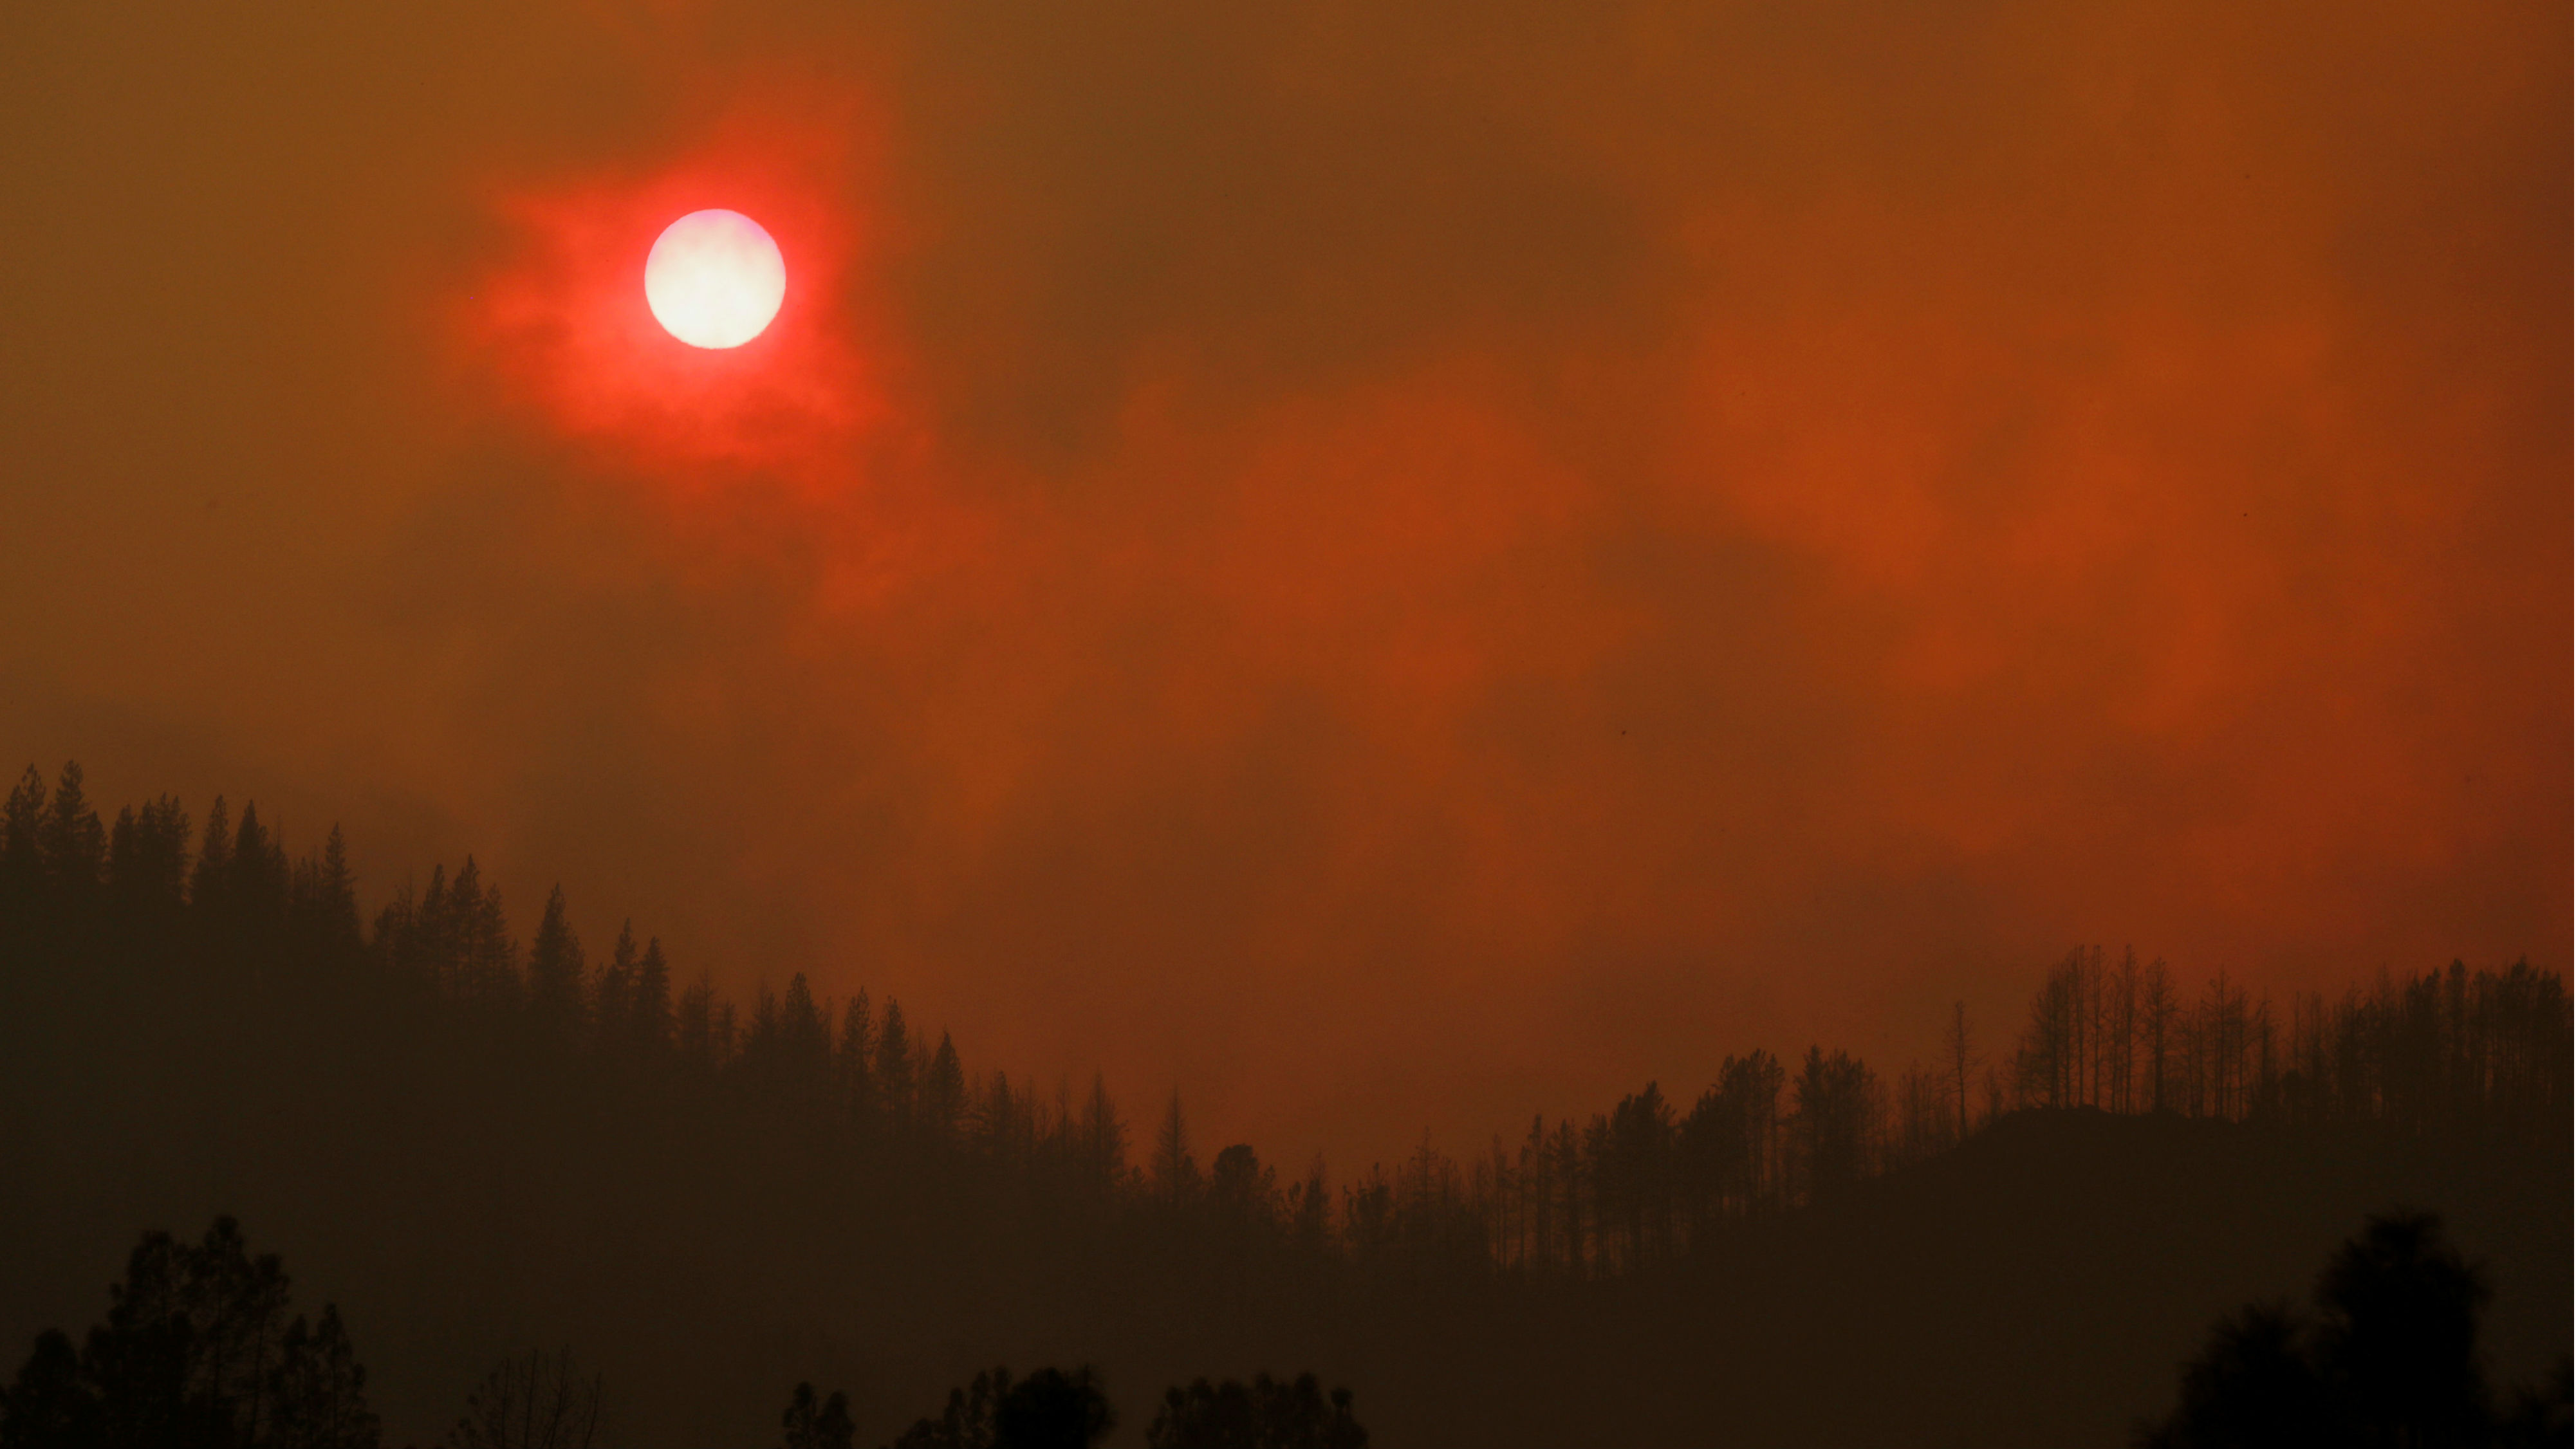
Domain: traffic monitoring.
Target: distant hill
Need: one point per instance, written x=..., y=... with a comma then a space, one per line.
x=2037, y=1286
x=475, y=1148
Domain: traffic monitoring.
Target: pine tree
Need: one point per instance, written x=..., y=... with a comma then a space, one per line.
x=1175, y=1174
x=557, y=972
x=1310, y=1212
x=334, y=903
x=1103, y=1140
x=943, y=1092
x=697, y=1024
x=22, y=852
x=894, y=1069
x=147, y=860
x=214, y=861
x=805, y=1040
x=1836, y=1121
x=433, y=938
x=851, y=1060
x=73, y=844
x=486, y=958
x=652, y=1005
x=613, y=1008
x=258, y=869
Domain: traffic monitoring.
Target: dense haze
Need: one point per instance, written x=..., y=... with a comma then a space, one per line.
x=1382, y=568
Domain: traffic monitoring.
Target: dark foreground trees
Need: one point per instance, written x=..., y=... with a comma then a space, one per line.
x=1050, y=1409
x=157, y=942
x=607, y=1153
x=536, y=1400
x=2391, y=1358
x=1264, y=1414
x=812, y=1422
x=197, y=1353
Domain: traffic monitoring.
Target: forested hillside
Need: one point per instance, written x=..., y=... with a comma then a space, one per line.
x=477, y=1146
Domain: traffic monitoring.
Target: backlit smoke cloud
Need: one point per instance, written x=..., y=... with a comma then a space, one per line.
x=1386, y=569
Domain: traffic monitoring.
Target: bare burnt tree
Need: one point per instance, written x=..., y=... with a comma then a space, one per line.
x=535, y=1400
x=1962, y=1055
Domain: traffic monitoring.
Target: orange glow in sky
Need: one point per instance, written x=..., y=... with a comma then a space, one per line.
x=1396, y=567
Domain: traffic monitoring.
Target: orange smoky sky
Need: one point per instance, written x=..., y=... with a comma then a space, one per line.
x=1384, y=566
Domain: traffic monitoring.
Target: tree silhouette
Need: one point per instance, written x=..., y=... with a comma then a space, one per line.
x=197, y=1353
x=1836, y=1116
x=321, y=1389
x=1052, y=1409
x=2252, y=1386
x=967, y=1421
x=943, y=1092
x=510, y=1077
x=1962, y=1056
x=22, y=851
x=812, y=1424
x=556, y=971
x=74, y=846
x=2397, y=1343
x=1263, y=1414
x=532, y=1401
x=894, y=1067
x=48, y=1406
x=1175, y=1173
x=650, y=1011
x=2391, y=1359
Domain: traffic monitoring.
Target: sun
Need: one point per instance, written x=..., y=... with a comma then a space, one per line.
x=715, y=279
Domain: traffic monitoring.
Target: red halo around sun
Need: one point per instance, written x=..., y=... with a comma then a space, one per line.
x=560, y=329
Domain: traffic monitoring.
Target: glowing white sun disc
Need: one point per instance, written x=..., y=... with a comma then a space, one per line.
x=715, y=279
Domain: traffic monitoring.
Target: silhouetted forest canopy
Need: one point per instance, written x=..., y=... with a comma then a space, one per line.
x=2390, y=1357
x=196, y=1353
x=250, y=1030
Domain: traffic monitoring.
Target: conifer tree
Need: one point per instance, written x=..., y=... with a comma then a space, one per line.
x=1175, y=1174
x=943, y=1092
x=852, y=1059
x=147, y=860
x=556, y=971
x=652, y=1023
x=696, y=1025
x=894, y=1070
x=1103, y=1140
x=804, y=1037
x=486, y=959
x=613, y=1004
x=334, y=902
x=258, y=868
x=74, y=846
x=1836, y=1121
x=433, y=940
x=214, y=860
x=22, y=827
